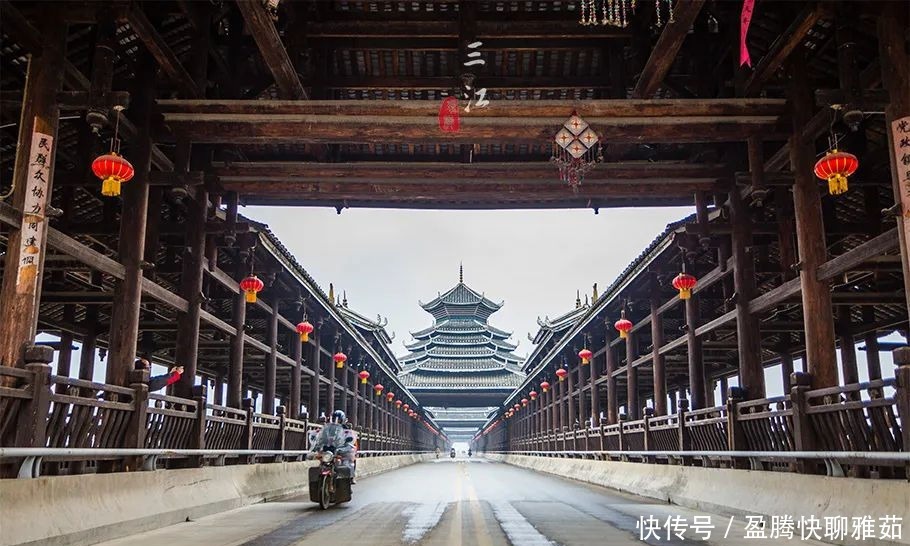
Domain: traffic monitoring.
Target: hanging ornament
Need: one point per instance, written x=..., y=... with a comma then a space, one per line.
x=251, y=286
x=398, y=403
x=363, y=375
x=304, y=329
x=684, y=283
x=378, y=388
x=405, y=407
x=617, y=13
x=545, y=386
x=516, y=407
x=576, y=149
x=390, y=396
x=835, y=167
x=111, y=168
x=524, y=402
x=585, y=356
x=340, y=358
x=623, y=325
x=533, y=395
x=561, y=373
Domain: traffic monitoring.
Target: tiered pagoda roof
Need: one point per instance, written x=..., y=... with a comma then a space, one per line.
x=461, y=350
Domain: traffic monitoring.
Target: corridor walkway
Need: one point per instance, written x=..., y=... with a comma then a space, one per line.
x=461, y=501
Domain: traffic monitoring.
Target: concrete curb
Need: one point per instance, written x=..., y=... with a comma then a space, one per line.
x=739, y=492
x=86, y=509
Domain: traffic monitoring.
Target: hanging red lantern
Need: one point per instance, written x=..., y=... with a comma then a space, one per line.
x=405, y=407
x=624, y=325
x=561, y=373
x=340, y=358
x=533, y=395
x=684, y=283
x=390, y=396
x=398, y=403
x=251, y=286
x=304, y=329
x=524, y=402
x=517, y=407
x=363, y=375
x=585, y=356
x=113, y=170
x=835, y=167
x=545, y=386
x=378, y=388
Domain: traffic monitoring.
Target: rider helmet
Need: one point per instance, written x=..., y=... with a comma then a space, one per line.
x=338, y=417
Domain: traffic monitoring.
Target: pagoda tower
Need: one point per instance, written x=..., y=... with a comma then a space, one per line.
x=461, y=360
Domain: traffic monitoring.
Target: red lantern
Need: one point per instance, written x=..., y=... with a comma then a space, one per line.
x=545, y=386
x=623, y=325
x=684, y=283
x=390, y=396
x=585, y=356
x=304, y=329
x=378, y=388
x=405, y=407
x=835, y=167
x=533, y=395
x=561, y=373
x=398, y=403
x=113, y=170
x=251, y=286
x=340, y=358
x=524, y=402
x=363, y=375
x=517, y=407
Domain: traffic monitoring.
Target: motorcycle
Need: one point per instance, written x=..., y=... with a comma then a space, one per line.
x=330, y=482
x=469, y=453
x=452, y=453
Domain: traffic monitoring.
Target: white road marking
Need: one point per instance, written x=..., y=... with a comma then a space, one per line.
x=421, y=519
x=516, y=527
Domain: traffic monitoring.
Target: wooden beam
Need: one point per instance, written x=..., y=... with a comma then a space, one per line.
x=260, y=25
x=665, y=50
x=872, y=248
x=415, y=31
x=782, y=47
x=163, y=54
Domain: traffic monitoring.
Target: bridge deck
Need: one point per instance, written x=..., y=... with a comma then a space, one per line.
x=465, y=501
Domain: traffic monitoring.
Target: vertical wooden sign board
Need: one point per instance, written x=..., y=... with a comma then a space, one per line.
x=900, y=133
x=34, y=212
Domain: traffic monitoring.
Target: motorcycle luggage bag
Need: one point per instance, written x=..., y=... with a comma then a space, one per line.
x=342, y=490
x=314, y=475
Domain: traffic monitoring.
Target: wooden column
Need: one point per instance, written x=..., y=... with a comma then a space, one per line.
x=818, y=319
x=235, y=375
x=657, y=360
x=131, y=248
x=297, y=349
x=695, y=356
x=25, y=250
x=89, y=343
x=331, y=391
x=570, y=400
x=612, y=399
x=751, y=374
x=873, y=356
x=219, y=390
x=786, y=369
x=271, y=362
x=187, y=348
x=849, y=369
x=892, y=32
x=356, y=388
x=65, y=353
x=633, y=411
x=314, y=359
x=595, y=395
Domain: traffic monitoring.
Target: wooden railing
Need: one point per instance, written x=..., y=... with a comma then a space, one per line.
x=40, y=410
x=863, y=417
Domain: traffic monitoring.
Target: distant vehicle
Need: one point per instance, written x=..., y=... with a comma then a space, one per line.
x=452, y=453
x=469, y=452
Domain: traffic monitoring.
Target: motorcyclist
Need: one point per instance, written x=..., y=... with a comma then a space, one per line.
x=348, y=451
x=331, y=435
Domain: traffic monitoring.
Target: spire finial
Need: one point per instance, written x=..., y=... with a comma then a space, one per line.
x=460, y=272
x=344, y=298
x=331, y=293
x=577, y=299
x=594, y=295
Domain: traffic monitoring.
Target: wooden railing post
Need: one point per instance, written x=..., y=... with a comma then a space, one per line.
x=247, y=404
x=646, y=426
x=32, y=426
x=902, y=396
x=138, y=425
x=735, y=440
x=281, y=412
x=622, y=439
x=803, y=438
x=200, y=396
x=684, y=441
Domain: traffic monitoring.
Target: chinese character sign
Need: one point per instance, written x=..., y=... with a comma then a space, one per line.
x=900, y=135
x=33, y=212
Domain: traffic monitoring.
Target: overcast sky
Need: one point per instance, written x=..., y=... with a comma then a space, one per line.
x=387, y=260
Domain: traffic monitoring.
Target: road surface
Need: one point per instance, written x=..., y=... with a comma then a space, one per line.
x=462, y=501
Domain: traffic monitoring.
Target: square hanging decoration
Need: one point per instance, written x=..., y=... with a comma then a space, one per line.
x=576, y=149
